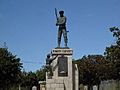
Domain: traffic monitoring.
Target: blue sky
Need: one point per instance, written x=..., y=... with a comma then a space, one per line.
x=28, y=27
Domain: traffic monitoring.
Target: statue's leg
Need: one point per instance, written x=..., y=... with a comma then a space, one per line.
x=59, y=37
x=65, y=37
x=51, y=71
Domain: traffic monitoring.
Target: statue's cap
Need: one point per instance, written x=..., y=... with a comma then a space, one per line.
x=61, y=12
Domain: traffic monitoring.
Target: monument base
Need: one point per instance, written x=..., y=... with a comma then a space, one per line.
x=65, y=73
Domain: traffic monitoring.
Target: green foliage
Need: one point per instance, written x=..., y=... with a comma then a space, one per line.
x=30, y=79
x=116, y=34
x=93, y=69
x=10, y=69
x=112, y=53
x=41, y=74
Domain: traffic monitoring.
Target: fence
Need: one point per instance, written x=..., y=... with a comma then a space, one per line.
x=110, y=85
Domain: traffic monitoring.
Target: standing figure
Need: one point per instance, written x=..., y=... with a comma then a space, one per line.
x=61, y=22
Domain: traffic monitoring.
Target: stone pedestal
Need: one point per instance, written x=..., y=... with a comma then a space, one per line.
x=65, y=73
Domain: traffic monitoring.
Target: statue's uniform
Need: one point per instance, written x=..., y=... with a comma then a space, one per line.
x=61, y=21
x=49, y=60
x=48, y=66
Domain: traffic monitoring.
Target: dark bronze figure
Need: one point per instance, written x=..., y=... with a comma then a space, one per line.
x=61, y=22
x=49, y=60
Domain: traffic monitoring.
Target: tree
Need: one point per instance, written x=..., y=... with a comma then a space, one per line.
x=87, y=70
x=10, y=69
x=116, y=34
x=93, y=69
x=30, y=79
x=41, y=74
x=112, y=53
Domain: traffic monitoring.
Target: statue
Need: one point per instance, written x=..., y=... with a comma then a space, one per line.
x=49, y=60
x=61, y=22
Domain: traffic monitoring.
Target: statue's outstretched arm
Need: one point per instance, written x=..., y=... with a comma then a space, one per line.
x=53, y=58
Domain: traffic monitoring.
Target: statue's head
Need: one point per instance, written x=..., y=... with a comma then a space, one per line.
x=48, y=56
x=61, y=12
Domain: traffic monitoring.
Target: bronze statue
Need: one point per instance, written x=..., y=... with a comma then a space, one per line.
x=49, y=60
x=61, y=22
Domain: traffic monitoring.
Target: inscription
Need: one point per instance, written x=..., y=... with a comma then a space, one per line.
x=60, y=51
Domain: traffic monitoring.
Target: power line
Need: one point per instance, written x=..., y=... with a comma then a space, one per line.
x=32, y=62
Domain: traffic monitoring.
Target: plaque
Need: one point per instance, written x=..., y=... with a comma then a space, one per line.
x=62, y=66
